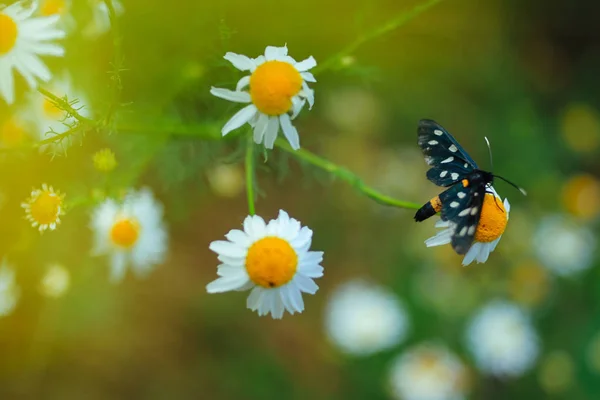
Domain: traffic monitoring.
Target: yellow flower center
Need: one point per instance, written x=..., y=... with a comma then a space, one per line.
x=51, y=110
x=271, y=262
x=493, y=219
x=51, y=7
x=12, y=133
x=125, y=232
x=9, y=30
x=272, y=86
x=45, y=209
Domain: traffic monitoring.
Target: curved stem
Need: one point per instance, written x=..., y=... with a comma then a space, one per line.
x=345, y=175
x=396, y=22
x=250, y=174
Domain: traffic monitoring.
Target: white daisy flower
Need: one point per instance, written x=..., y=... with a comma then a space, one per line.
x=44, y=208
x=100, y=22
x=493, y=221
x=277, y=92
x=9, y=291
x=44, y=116
x=23, y=39
x=55, y=281
x=502, y=340
x=363, y=318
x=564, y=246
x=428, y=371
x=62, y=8
x=271, y=259
x=130, y=233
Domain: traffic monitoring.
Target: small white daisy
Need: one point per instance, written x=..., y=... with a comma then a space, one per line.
x=23, y=39
x=44, y=116
x=564, y=246
x=271, y=259
x=9, y=291
x=62, y=8
x=130, y=233
x=428, y=371
x=502, y=340
x=44, y=208
x=363, y=318
x=55, y=281
x=493, y=221
x=277, y=91
x=100, y=22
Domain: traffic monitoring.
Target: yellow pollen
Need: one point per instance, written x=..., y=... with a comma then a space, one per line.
x=52, y=7
x=125, y=232
x=9, y=30
x=51, y=111
x=493, y=220
x=12, y=133
x=272, y=86
x=271, y=262
x=45, y=209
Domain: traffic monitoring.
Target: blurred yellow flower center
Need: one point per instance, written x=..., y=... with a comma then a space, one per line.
x=9, y=30
x=104, y=160
x=51, y=7
x=271, y=262
x=12, y=133
x=125, y=232
x=272, y=86
x=493, y=220
x=51, y=111
x=45, y=208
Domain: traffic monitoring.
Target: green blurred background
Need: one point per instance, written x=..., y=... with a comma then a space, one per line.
x=522, y=73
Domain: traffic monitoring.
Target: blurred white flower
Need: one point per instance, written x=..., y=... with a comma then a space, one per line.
x=273, y=260
x=24, y=38
x=502, y=340
x=55, y=281
x=226, y=180
x=277, y=91
x=362, y=318
x=131, y=232
x=428, y=371
x=9, y=291
x=563, y=246
x=100, y=22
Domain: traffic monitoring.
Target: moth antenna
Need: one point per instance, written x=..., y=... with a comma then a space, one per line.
x=490, y=152
x=520, y=189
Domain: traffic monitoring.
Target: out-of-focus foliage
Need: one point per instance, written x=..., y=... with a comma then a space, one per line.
x=522, y=73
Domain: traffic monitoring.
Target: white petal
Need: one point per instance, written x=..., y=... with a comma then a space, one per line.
x=295, y=297
x=311, y=270
x=275, y=53
x=260, y=128
x=277, y=308
x=307, y=64
x=118, y=263
x=308, y=77
x=238, y=237
x=255, y=227
x=225, y=284
x=297, y=105
x=471, y=254
x=242, y=83
x=238, y=97
x=240, y=61
x=239, y=119
x=305, y=284
x=227, y=248
x=254, y=299
x=285, y=299
x=309, y=94
x=289, y=131
x=441, y=238
x=303, y=238
x=271, y=132
x=7, y=85
x=484, y=252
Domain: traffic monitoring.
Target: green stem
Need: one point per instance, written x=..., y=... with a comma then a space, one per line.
x=393, y=24
x=117, y=85
x=250, y=174
x=65, y=106
x=344, y=175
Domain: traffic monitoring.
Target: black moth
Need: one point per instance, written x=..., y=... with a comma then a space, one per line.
x=452, y=167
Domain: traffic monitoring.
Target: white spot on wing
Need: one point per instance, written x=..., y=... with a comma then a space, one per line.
x=471, y=230
x=464, y=212
x=429, y=160
x=437, y=132
x=443, y=174
x=474, y=210
x=453, y=148
x=461, y=195
x=454, y=204
x=463, y=231
x=433, y=142
x=447, y=160
x=454, y=176
x=466, y=165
